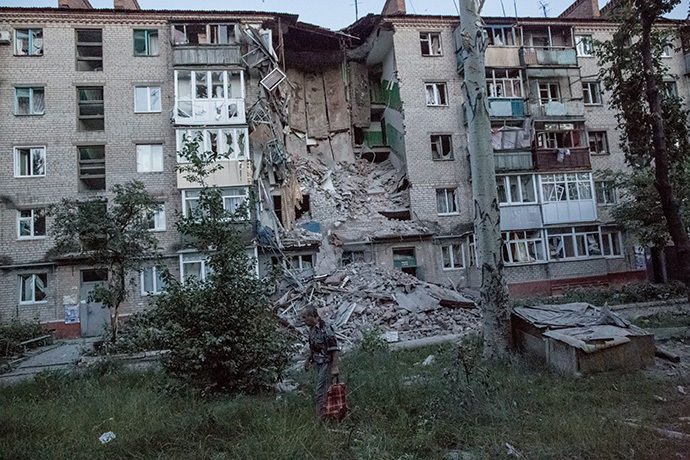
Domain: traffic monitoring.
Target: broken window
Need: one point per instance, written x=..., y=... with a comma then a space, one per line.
x=91, y=168
x=28, y=42
x=233, y=198
x=441, y=147
x=29, y=101
x=523, y=247
x=670, y=89
x=146, y=42
x=446, y=202
x=231, y=142
x=152, y=282
x=505, y=83
x=89, y=49
x=351, y=257
x=453, y=256
x=31, y=223
x=472, y=247
x=91, y=114
x=584, y=45
x=519, y=189
x=501, y=35
x=147, y=99
x=94, y=275
x=612, y=242
x=155, y=220
x=605, y=192
x=574, y=242
x=33, y=288
x=591, y=93
x=300, y=262
x=598, y=143
x=436, y=94
x=559, y=136
x=549, y=92
x=404, y=259
x=29, y=161
x=430, y=43
x=149, y=158
x=203, y=34
x=566, y=187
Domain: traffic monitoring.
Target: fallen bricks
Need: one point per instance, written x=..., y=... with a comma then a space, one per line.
x=363, y=296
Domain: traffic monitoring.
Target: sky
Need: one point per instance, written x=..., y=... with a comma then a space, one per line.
x=336, y=14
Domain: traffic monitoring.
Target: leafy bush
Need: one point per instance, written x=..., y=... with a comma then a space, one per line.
x=141, y=332
x=15, y=332
x=372, y=340
x=629, y=293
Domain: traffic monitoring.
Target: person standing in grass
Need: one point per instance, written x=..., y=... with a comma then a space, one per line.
x=323, y=354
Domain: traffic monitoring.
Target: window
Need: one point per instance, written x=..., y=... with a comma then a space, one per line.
x=147, y=99
x=28, y=42
x=574, y=242
x=203, y=34
x=32, y=288
x=300, y=262
x=193, y=266
x=504, y=83
x=31, y=223
x=430, y=43
x=612, y=242
x=590, y=93
x=598, y=143
x=91, y=113
x=149, y=158
x=89, y=49
x=231, y=143
x=605, y=192
x=453, y=256
x=351, y=257
x=232, y=199
x=501, y=35
x=523, y=247
x=584, y=45
x=29, y=101
x=472, y=246
x=441, y=147
x=436, y=94
x=667, y=52
x=670, y=89
x=145, y=42
x=198, y=94
x=516, y=189
x=151, y=281
x=549, y=92
x=566, y=187
x=91, y=168
x=155, y=220
x=29, y=161
x=446, y=202
x=558, y=136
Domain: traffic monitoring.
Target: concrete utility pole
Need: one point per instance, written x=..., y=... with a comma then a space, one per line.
x=494, y=293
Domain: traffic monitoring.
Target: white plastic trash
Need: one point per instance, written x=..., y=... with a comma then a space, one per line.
x=107, y=437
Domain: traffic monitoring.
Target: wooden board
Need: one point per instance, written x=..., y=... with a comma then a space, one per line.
x=297, y=110
x=317, y=123
x=336, y=101
x=359, y=95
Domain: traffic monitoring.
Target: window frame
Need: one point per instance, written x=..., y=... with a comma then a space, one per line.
x=587, y=89
x=36, y=213
x=93, y=102
x=157, y=290
x=224, y=190
x=30, y=38
x=608, y=235
x=605, y=187
x=439, y=142
x=493, y=82
x=573, y=235
x=222, y=145
x=31, y=148
x=147, y=37
x=492, y=36
x=157, y=217
x=94, y=44
x=429, y=42
x=149, y=109
x=199, y=259
x=582, y=43
x=456, y=206
x=451, y=255
x=517, y=238
x=509, y=198
x=151, y=162
x=565, y=180
x=438, y=95
x=96, y=162
x=549, y=86
x=33, y=277
x=604, y=139
x=31, y=101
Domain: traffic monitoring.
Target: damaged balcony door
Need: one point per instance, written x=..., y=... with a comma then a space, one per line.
x=92, y=315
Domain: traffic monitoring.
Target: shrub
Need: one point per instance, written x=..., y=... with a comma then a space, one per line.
x=141, y=332
x=15, y=332
x=372, y=340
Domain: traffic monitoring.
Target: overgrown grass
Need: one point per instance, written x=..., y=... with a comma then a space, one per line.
x=400, y=409
x=629, y=293
x=667, y=319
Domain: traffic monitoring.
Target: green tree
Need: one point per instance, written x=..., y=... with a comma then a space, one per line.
x=654, y=131
x=222, y=332
x=111, y=235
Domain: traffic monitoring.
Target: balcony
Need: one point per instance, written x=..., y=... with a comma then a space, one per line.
x=570, y=109
x=207, y=55
x=548, y=159
x=233, y=173
x=506, y=108
x=209, y=112
x=520, y=217
x=502, y=56
x=569, y=212
x=513, y=160
x=549, y=57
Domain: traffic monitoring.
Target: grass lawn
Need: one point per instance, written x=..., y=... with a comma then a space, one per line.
x=400, y=409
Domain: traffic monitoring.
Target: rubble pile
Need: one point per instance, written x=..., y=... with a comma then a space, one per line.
x=361, y=296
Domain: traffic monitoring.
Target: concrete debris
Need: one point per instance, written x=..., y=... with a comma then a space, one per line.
x=362, y=296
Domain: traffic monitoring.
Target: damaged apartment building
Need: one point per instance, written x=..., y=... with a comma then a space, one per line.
x=350, y=145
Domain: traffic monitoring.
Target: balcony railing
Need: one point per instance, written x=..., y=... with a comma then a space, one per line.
x=513, y=160
x=207, y=55
x=233, y=173
x=568, y=212
x=561, y=160
x=502, y=56
x=520, y=217
x=552, y=57
x=210, y=111
x=558, y=109
x=506, y=108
